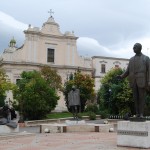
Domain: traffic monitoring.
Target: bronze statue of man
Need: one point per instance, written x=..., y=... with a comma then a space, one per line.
x=7, y=115
x=138, y=72
x=74, y=101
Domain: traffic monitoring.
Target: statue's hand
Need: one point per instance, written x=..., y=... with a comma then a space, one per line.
x=118, y=77
x=148, y=87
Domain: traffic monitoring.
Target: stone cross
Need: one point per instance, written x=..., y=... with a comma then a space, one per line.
x=50, y=12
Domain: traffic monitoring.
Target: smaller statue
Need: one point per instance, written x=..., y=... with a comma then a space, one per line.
x=74, y=101
x=7, y=115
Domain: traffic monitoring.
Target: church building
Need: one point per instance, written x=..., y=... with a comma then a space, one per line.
x=48, y=46
x=45, y=46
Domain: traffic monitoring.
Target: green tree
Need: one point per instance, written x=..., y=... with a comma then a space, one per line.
x=5, y=85
x=115, y=95
x=34, y=96
x=51, y=76
x=85, y=84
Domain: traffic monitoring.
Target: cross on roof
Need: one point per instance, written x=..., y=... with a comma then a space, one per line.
x=50, y=12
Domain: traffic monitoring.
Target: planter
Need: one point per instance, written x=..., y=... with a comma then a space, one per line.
x=21, y=124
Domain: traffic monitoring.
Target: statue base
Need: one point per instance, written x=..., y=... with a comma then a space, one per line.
x=73, y=126
x=133, y=134
x=75, y=122
x=7, y=129
x=137, y=119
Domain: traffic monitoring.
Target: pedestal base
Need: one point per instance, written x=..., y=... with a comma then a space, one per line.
x=137, y=119
x=85, y=127
x=133, y=134
x=7, y=129
x=75, y=122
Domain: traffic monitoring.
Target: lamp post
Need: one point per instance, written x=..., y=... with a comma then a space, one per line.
x=21, y=119
x=109, y=98
x=147, y=51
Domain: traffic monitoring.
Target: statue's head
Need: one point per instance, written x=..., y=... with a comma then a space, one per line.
x=4, y=111
x=6, y=107
x=73, y=87
x=137, y=48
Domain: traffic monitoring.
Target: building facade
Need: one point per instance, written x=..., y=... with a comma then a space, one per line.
x=48, y=46
x=45, y=46
x=101, y=65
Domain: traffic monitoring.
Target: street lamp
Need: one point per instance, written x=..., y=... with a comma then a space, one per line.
x=109, y=98
x=148, y=50
x=109, y=91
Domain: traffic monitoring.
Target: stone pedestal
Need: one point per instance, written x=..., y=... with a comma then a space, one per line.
x=71, y=127
x=133, y=134
x=75, y=122
x=7, y=129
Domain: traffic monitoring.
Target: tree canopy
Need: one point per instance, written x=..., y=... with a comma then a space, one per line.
x=5, y=85
x=52, y=77
x=84, y=83
x=35, y=96
x=115, y=95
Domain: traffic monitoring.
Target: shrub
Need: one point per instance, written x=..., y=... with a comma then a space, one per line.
x=103, y=114
x=92, y=108
x=79, y=115
x=92, y=115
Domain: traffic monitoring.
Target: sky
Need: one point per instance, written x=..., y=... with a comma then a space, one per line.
x=104, y=27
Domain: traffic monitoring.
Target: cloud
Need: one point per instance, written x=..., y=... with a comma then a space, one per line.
x=91, y=47
x=12, y=22
x=124, y=49
x=10, y=28
x=112, y=34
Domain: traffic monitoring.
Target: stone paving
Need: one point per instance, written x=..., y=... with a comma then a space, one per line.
x=64, y=141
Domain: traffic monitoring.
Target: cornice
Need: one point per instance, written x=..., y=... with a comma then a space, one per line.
x=115, y=58
x=103, y=61
x=41, y=65
x=39, y=33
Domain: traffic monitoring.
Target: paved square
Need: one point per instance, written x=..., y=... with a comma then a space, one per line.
x=64, y=141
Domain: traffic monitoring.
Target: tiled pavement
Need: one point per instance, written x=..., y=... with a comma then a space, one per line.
x=64, y=141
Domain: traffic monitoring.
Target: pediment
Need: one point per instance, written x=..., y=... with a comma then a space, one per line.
x=51, y=27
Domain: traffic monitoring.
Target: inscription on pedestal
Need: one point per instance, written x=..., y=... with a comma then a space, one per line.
x=136, y=119
x=134, y=133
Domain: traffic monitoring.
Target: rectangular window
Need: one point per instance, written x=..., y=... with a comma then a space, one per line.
x=116, y=66
x=17, y=80
x=103, y=68
x=50, y=55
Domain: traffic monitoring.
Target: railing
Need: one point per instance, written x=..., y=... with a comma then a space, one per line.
x=122, y=117
x=60, y=120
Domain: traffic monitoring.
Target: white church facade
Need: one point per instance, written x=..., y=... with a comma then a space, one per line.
x=48, y=46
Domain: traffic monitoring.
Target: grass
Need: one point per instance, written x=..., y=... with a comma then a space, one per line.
x=58, y=115
x=62, y=115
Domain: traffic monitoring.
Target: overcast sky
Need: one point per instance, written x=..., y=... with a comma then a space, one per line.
x=104, y=27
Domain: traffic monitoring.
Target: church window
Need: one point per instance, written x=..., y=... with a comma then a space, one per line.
x=103, y=68
x=17, y=80
x=50, y=55
x=116, y=66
